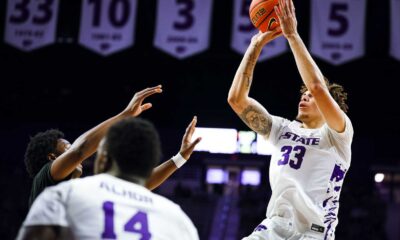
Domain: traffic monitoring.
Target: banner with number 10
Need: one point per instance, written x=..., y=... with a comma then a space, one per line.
x=107, y=26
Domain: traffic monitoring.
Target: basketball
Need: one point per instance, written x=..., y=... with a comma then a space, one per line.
x=262, y=14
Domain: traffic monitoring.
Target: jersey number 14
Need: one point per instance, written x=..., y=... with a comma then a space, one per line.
x=136, y=224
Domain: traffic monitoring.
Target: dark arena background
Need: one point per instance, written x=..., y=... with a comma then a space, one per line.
x=66, y=86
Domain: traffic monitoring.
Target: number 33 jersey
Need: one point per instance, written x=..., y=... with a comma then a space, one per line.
x=306, y=174
x=106, y=207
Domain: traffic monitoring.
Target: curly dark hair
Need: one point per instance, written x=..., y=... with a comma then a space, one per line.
x=39, y=147
x=134, y=145
x=337, y=92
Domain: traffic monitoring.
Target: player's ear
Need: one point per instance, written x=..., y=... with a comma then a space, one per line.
x=51, y=156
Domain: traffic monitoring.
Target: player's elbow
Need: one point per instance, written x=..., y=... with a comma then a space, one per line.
x=316, y=88
x=233, y=100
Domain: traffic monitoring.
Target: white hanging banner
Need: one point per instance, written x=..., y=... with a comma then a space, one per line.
x=107, y=26
x=31, y=24
x=243, y=30
x=337, y=29
x=183, y=26
x=395, y=29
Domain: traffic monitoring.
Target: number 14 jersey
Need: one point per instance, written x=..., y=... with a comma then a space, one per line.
x=306, y=174
x=106, y=207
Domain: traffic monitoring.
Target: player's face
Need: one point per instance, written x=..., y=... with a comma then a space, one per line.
x=62, y=146
x=308, y=109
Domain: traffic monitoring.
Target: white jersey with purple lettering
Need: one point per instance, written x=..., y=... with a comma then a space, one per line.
x=306, y=174
x=106, y=207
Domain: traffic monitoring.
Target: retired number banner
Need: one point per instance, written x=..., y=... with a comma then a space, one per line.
x=243, y=30
x=337, y=30
x=107, y=26
x=183, y=26
x=31, y=24
x=395, y=29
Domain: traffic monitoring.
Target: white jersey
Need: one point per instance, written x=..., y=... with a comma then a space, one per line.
x=306, y=173
x=106, y=207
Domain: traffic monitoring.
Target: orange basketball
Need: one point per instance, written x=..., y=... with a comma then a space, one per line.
x=262, y=14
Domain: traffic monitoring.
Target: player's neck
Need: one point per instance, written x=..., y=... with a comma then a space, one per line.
x=317, y=123
x=127, y=177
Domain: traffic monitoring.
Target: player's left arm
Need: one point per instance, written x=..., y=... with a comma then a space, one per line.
x=166, y=169
x=309, y=71
x=45, y=233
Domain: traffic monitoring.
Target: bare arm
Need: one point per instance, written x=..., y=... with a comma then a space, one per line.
x=87, y=143
x=248, y=109
x=166, y=169
x=44, y=233
x=309, y=71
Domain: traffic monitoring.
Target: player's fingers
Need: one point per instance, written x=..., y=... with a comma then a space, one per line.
x=286, y=8
x=194, y=143
x=282, y=8
x=291, y=7
x=150, y=92
x=190, y=129
x=278, y=13
x=146, y=106
x=147, y=90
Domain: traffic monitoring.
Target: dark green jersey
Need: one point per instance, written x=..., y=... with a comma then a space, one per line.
x=42, y=180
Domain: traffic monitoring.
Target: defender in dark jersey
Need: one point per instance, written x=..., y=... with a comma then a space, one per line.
x=51, y=159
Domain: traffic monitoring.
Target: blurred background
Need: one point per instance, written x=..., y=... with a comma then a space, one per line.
x=67, y=86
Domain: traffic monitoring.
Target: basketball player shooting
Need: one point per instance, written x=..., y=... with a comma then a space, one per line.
x=311, y=155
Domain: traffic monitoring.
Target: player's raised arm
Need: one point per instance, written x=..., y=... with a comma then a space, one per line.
x=87, y=143
x=248, y=109
x=309, y=71
x=166, y=169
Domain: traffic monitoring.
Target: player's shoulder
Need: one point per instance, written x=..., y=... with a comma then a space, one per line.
x=280, y=121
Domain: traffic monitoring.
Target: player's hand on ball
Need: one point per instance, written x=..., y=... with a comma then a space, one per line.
x=188, y=146
x=266, y=37
x=287, y=17
x=136, y=106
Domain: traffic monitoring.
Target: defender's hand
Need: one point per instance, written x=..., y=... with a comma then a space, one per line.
x=187, y=144
x=135, y=107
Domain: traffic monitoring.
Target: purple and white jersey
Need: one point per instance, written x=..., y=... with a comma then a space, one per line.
x=306, y=172
x=106, y=207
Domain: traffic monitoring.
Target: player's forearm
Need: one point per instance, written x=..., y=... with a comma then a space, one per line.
x=240, y=88
x=88, y=142
x=160, y=174
x=81, y=149
x=309, y=71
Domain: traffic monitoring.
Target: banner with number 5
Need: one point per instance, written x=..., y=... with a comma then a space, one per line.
x=31, y=24
x=395, y=29
x=183, y=26
x=337, y=29
x=243, y=30
x=107, y=26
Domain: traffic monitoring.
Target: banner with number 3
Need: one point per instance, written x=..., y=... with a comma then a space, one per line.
x=183, y=26
x=337, y=29
x=31, y=24
x=243, y=30
x=107, y=26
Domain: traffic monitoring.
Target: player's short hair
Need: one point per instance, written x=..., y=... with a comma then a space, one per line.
x=134, y=145
x=39, y=146
x=337, y=92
